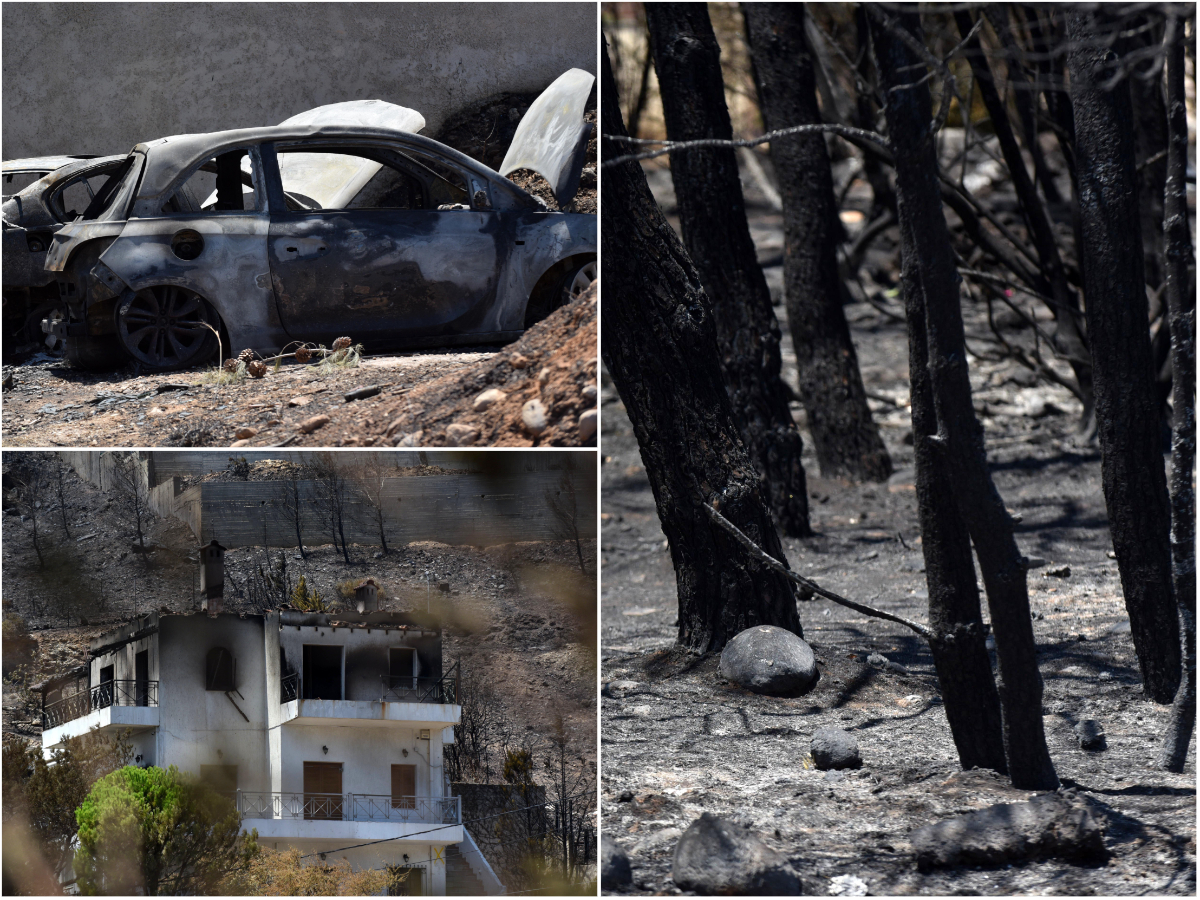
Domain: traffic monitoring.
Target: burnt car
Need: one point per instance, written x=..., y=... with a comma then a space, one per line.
x=31, y=217
x=312, y=230
x=18, y=174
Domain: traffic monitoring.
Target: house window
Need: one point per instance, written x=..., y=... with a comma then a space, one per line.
x=322, y=672
x=222, y=779
x=404, y=787
x=402, y=664
x=219, y=670
x=104, y=694
x=322, y=790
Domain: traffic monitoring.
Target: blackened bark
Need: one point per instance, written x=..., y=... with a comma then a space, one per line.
x=1181, y=307
x=1067, y=314
x=659, y=343
x=845, y=437
x=959, y=652
x=959, y=437
x=712, y=216
x=1127, y=410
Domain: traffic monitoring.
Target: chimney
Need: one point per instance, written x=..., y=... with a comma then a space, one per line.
x=212, y=577
x=366, y=596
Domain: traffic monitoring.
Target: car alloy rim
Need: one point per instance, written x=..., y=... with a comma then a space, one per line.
x=582, y=279
x=164, y=326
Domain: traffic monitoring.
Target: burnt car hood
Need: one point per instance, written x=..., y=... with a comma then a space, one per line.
x=552, y=136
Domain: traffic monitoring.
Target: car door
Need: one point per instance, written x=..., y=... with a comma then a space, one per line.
x=359, y=246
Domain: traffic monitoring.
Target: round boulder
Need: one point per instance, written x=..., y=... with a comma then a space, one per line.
x=770, y=660
x=833, y=748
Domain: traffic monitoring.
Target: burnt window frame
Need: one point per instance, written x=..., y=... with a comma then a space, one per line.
x=258, y=176
x=209, y=676
x=305, y=684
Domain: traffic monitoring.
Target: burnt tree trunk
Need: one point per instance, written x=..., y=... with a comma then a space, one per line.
x=883, y=198
x=659, y=343
x=845, y=437
x=712, y=216
x=1181, y=307
x=1127, y=409
x=959, y=437
x=959, y=653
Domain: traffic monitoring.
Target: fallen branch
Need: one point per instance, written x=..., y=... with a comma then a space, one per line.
x=764, y=557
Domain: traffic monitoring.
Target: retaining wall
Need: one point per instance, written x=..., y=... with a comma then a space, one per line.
x=100, y=77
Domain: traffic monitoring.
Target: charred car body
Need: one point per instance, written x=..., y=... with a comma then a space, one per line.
x=31, y=217
x=313, y=230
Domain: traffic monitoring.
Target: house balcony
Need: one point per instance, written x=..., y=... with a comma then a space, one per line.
x=418, y=702
x=124, y=704
x=308, y=816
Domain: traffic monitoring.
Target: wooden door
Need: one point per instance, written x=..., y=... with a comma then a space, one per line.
x=322, y=790
x=404, y=787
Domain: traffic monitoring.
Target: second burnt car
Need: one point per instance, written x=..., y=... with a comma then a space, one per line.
x=31, y=216
x=312, y=231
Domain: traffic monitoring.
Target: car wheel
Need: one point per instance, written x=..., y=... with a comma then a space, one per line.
x=166, y=327
x=577, y=281
x=94, y=354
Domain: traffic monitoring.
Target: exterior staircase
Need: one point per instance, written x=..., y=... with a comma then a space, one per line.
x=460, y=880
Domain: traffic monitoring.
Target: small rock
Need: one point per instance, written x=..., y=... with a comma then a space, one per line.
x=487, y=398
x=299, y=401
x=378, y=554
x=1121, y=627
x=626, y=797
x=308, y=426
x=1091, y=735
x=767, y=659
x=363, y=393
x=715, y=856
x=622, y=687
x=518, y=361
x=833, y=748
x=614, y=866
x=410, y=439
x=533, y=417
x=589, y=392
x=543, y=376
x=1060, y=572
x=1050, y=826
x=271, y=423
x=587, y=425
x=241, y=443
x=847, y=886
x=245, y=433
x=462, y=435
x=7, y=384
x=879, y=661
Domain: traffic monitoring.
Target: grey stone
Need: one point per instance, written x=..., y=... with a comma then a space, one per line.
x=715, y=856
x=1091, y=735
x=767, y=659
x=462, y=435
x=615, y=871
x=587, y=425
x=879, y=661
x=533, y=417
x=487, y=398
x=833, y=748
x=1050, y=826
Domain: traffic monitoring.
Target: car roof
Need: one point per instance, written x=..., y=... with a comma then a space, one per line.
x=40, y=163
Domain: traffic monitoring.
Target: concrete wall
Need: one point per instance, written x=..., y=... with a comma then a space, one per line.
x=99, y=78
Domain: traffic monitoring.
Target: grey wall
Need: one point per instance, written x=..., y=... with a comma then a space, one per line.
x=99, y=78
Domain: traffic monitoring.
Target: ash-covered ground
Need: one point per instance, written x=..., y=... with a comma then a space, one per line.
x=678, y=740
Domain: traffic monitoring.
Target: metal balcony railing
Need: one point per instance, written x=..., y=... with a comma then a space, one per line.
x=350, y=807
x=125, y=692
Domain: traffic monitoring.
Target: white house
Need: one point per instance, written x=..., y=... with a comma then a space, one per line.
x=327, y=729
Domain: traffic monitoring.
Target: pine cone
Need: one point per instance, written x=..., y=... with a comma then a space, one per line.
x=303, y=354
x=256, y=368
x=247, y=356
x=341, y=343
x=230, y=365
